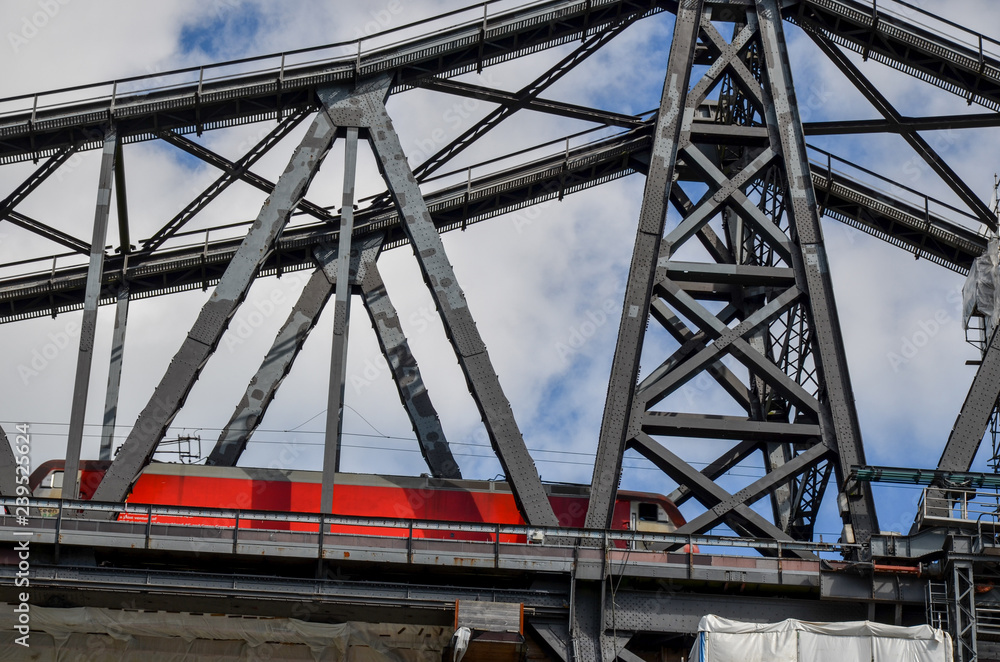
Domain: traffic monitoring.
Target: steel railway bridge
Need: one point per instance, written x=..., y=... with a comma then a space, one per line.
x=740, y=279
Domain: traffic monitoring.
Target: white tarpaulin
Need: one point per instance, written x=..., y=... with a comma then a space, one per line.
x=723, y=640
x=980, y=295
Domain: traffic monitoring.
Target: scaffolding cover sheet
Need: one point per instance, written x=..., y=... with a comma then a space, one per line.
x=723, y=640
x=979, y=293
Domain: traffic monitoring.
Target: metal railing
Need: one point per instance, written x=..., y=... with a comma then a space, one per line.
x=143, y=526
x=367, y=52
x=972, y=508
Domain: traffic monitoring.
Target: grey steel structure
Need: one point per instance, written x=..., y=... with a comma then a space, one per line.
x=728, y=123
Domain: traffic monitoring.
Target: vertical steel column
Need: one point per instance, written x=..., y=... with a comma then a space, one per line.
x=286, y=346
x=88, y=325
x=115, y=372
x=122, y=197
x=276, y=364
x=963, y=600
x=405, y=373
x=214, y=317
x=458, y=321
x=341, y=325
x=839, y=419
x=617, y=426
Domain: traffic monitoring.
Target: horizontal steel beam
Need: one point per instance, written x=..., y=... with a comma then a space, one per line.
x=726, y=427
x=914, y=49
x=737, y=274
x=169, y=270
x=44, y=128
x=560, y=108
x=903, y=125
x=200, y=265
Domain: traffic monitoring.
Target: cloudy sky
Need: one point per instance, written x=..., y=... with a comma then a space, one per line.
x=540, y=282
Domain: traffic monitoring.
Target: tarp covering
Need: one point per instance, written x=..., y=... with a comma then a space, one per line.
x=980, y=292
x=723, y=640
x=111, y=634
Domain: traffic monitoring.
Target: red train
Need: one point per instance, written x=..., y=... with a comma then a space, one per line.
x=359, y=495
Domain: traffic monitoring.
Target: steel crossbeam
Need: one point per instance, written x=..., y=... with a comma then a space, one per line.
x=233, y=100
x=233, y=171
x=724, y=506
x=930, y=55
x=277, y=362
x=890, y=219
x=919, y=145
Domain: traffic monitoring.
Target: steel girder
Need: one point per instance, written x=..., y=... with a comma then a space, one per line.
x=88, y=326
x=361, y=108
x=906, y=46
x=341, y=320
x=970, y=425
x=484, y=385
x=165, y=271
x=277, y=362
x=919, y=145
x=838, y=418
x=208, y=104
x=114, y=373
x=204, y=336
x=292, y=336
x=233, y=172
x=767, y=271
x=26, y=187
x=406, y=375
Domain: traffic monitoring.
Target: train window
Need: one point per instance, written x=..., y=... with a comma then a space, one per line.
x=53, y=480
x=648, y=512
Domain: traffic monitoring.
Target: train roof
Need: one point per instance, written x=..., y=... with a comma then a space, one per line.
x=304, y=476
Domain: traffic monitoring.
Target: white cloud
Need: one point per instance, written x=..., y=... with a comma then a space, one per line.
x=533, y=279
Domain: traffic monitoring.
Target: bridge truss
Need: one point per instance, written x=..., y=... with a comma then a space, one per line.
x=729, y=259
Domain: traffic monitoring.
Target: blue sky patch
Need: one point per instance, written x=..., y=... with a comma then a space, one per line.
x=222, y=34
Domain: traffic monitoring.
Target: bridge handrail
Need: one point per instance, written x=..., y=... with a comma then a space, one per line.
x=65, y=509
x=353, y=52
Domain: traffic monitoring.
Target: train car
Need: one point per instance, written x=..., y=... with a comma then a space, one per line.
x=355, y=495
